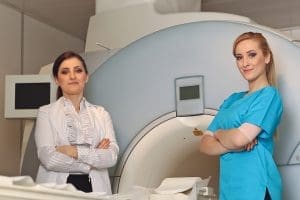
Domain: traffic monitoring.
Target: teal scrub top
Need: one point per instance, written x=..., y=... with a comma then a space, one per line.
x=246, y=175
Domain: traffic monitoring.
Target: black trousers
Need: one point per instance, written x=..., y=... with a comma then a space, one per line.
x=81, y=182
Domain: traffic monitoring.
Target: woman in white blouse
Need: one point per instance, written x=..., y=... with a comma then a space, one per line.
x=75, y=139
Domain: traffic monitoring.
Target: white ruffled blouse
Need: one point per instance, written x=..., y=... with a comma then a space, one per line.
x=59, y=124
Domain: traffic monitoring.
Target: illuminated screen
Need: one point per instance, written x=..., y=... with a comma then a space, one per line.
x=189, y=92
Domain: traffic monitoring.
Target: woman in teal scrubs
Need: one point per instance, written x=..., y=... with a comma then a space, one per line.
x=242, y=131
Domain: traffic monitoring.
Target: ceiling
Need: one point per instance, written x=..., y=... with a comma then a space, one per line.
x=72, y=16
x=273, y=13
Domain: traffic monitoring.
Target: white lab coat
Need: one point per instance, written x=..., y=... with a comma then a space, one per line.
x=50, y=131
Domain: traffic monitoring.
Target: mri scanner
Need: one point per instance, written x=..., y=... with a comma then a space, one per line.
x=139, y=85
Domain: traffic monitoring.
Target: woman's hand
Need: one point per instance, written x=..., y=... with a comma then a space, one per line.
x=104, y=144
x=251, y=145
x=68, y=150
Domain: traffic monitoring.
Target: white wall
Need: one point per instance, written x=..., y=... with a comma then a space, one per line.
x=43, y=43
x=10, y=61
x=26, y=45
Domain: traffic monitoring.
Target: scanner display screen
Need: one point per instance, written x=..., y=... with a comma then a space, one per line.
x=31, y=95
x=189, y=92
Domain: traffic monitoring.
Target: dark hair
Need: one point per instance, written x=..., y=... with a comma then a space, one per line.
x=270, y=67
x=61, y=58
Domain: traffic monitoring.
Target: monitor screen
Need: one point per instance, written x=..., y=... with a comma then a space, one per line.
x=189, y=92
x=24, y=94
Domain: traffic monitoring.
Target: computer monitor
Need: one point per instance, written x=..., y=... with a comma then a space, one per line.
x=24, y=94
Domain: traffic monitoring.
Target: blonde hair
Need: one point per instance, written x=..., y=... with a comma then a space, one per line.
x=270, y=67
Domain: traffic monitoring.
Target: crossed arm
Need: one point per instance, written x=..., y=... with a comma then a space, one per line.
x=223, y=141
x=71, y=150
x=210, y=145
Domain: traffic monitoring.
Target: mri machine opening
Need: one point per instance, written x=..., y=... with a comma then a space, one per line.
x=167, y=148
